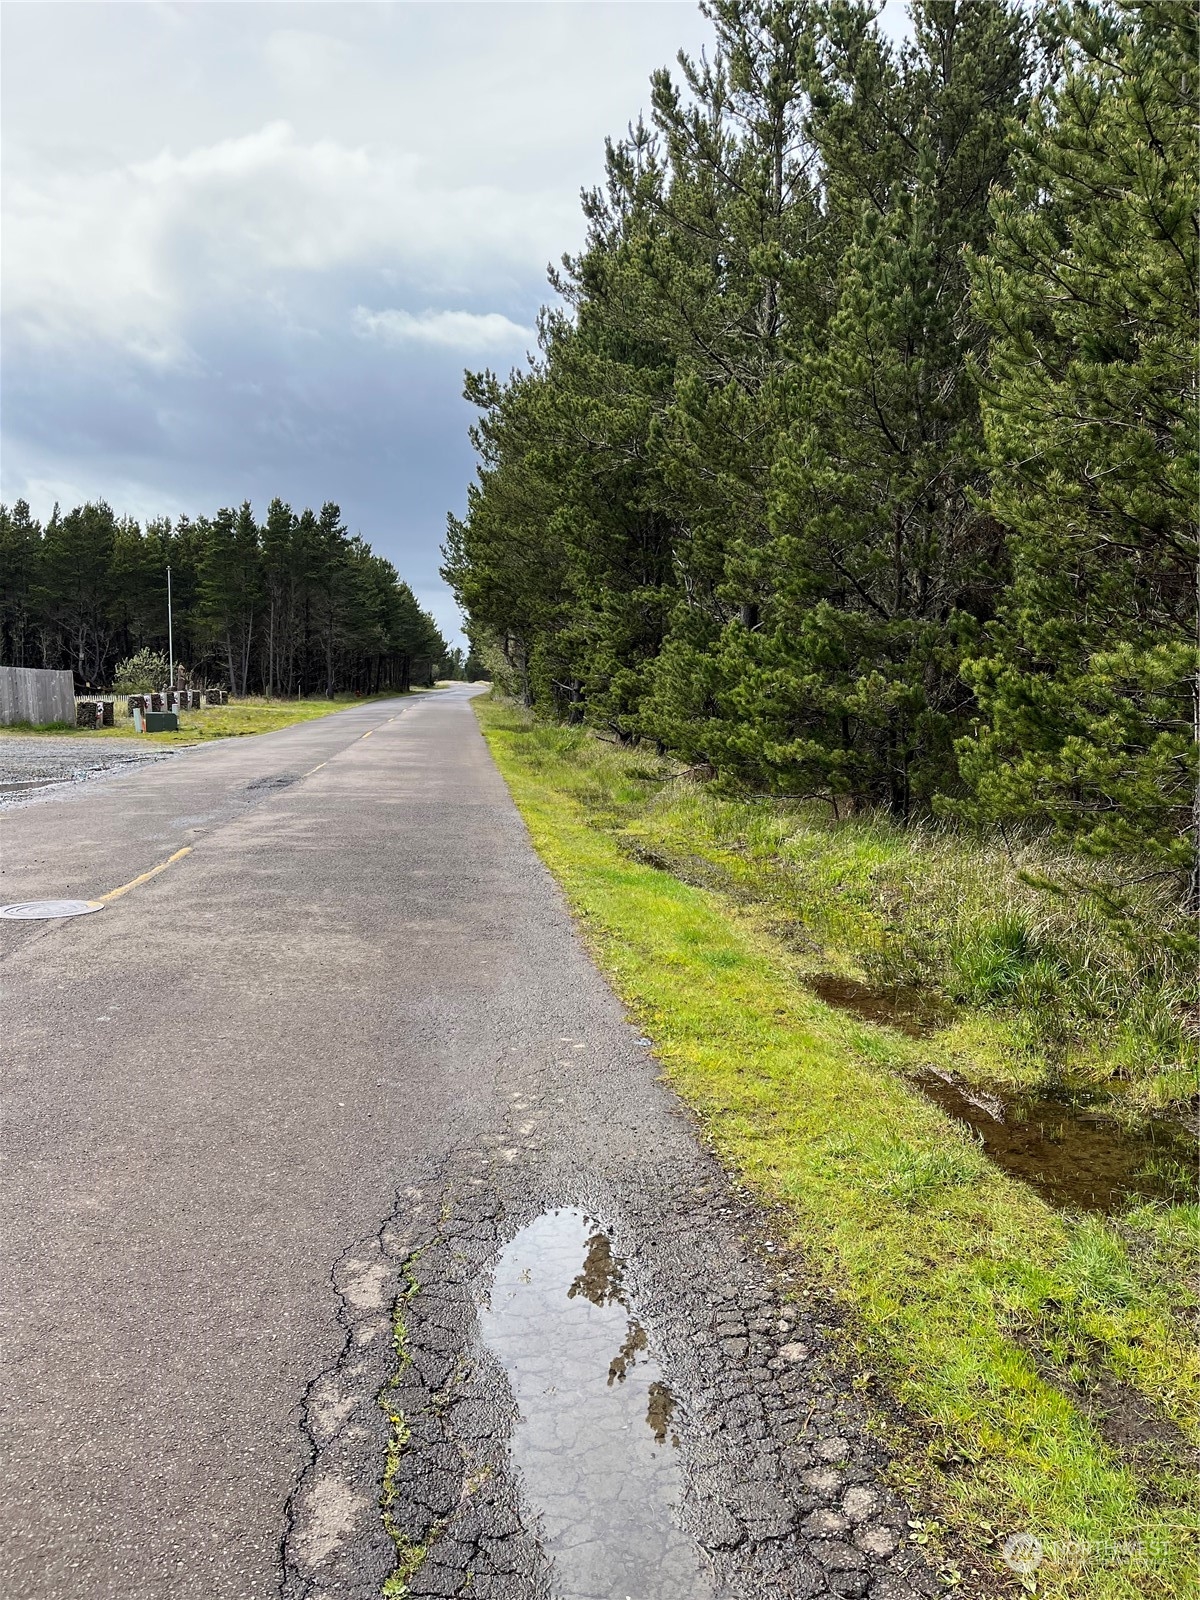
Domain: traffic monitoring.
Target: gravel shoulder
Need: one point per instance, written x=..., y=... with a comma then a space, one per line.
x=30, y=766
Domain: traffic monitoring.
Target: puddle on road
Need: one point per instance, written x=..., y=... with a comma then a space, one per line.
x=596, y=1440
x=914, y=1011
x=15, y=786
x=1072, y=1154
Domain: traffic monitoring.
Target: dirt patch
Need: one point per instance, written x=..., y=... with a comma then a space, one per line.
x=914, y=1011
x=1124, y=1417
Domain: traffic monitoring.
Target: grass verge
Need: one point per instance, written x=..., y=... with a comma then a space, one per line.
x=1047, y=968
x=1044, y=1362
x=252, y=715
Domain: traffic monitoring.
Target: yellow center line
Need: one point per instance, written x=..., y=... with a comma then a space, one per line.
x=115, y=894
x=368, y=733
x=317, y=768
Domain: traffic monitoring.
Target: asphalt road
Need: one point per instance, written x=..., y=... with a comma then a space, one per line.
x=351, y=1024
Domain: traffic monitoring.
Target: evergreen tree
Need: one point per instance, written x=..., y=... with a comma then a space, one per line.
x=90, y=590
x=332, y=583
x=735, y=278
x=1088, y=285
x=139, y=588
x=879, y=568
x=229, y=587
x=20, y=553
x=505, y=560
x=277, y=535
x=76, y=589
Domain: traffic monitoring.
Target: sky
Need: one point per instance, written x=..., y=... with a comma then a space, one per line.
x=249, y=248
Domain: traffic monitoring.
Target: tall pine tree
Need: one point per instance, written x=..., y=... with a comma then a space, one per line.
x=1089, y=284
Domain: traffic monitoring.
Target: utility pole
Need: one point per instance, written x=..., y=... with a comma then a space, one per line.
x=170, y=634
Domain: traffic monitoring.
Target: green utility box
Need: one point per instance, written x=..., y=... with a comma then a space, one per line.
x=162, y=722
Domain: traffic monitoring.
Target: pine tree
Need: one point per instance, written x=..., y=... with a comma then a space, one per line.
x=332, y=584
x=20, y=554
x=76, y=589
x=505, y=560
x=1089, y=284
x=229, y=587
x=883, y=566
x=277, y=535
x=701, y=270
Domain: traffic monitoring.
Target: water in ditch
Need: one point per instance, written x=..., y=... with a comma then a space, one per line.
x=905, y=1006
x=1062, y=1142
x=1066, y=1148
x=596, y=1444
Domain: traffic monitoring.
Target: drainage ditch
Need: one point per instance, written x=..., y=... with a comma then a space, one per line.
x=1066, y=1148
x=1060, y=1142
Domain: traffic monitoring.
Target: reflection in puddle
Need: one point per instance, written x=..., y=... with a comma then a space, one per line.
x=1074, y=1156
x=595, y=1440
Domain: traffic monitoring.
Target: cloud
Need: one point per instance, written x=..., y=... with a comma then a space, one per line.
x=452, y=330
x=305, y=62
x=127, y=254
x=248, y=250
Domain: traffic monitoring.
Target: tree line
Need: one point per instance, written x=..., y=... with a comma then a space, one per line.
x=858, y=458
x=292, y=605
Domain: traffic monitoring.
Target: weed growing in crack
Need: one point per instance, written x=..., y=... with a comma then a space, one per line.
x=409, y=1560
x=410, y=1556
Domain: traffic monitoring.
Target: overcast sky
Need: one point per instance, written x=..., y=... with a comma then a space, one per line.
x=249, y=248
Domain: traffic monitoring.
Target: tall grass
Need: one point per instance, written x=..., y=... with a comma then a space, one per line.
x=1056, y=966
x=1024, y=939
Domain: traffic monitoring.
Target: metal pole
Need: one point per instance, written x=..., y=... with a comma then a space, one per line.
x=170, y=633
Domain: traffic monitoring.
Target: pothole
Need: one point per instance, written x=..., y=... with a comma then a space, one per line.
x=280, y=780
x=515, y=1468
x=596, y=1441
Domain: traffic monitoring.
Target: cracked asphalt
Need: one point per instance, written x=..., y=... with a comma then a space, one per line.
x=330, y=1061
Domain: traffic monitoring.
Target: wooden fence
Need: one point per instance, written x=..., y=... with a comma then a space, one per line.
x=31, y=694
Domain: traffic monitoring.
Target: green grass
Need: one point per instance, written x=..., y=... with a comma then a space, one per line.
x=1048, y=986
x=968, y=1300
x=254, y=714
x=1038, y=985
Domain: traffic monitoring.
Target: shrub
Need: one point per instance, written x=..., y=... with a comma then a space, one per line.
x=144, y=672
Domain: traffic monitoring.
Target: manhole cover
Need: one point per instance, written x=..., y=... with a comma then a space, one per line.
x=31, y=910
